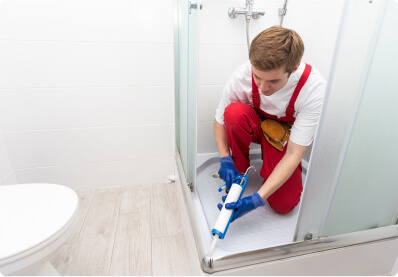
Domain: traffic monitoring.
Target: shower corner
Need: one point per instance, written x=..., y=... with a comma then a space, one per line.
x=207, y=264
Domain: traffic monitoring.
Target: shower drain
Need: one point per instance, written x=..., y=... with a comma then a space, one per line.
x=214, y=175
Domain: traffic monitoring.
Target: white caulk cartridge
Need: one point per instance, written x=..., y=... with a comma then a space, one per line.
x=224, y=219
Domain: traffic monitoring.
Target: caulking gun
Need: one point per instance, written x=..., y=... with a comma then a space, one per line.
x=226, y=215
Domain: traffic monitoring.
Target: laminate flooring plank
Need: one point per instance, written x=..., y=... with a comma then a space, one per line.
x=93, y=252
x=136, y=198
x=165, y=213
x=132, y=248
x=61, y=260
x=84, y=204
x=170, y=256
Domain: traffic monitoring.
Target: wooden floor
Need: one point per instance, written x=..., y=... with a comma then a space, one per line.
x=134, y=230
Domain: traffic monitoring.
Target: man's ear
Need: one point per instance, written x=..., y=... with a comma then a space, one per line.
x=294, y=69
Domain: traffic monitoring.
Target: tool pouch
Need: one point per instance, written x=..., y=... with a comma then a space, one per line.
x=276, y=133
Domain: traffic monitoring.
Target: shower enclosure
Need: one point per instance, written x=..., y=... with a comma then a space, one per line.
x=350, y=195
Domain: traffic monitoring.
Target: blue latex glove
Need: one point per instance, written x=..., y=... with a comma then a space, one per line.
x=244, y=205
x=228, y=171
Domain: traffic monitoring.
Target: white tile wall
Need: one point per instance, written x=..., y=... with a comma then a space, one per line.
x=207, y=101
x=321, y=58
x=53, y=108
x=228, y=58
x=32, y=64
x=208, y=145
x=5, y=163
x=153, y=105
x=87, y=20
x=222, y=46
x=206, y=142
x=87, y=90
x=88, y=145
x=10, y=179
x=100, y=175
x=316, y=21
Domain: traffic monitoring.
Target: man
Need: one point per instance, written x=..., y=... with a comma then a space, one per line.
x=274, y=84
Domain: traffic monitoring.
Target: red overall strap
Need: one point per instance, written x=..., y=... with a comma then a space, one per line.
x=290, y=109
x=299, y=86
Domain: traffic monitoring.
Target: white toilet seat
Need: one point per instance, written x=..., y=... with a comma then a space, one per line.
x=35, y=220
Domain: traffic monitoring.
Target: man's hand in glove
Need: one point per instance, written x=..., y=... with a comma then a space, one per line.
x=228, y=171
x=244, y=205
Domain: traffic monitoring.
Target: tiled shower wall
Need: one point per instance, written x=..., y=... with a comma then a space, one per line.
x=86, y=92
x=223, y=39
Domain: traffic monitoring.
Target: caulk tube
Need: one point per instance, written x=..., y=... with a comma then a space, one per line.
x=225, y=216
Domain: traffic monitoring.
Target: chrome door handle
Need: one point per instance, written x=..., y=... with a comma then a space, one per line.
x=193, y=4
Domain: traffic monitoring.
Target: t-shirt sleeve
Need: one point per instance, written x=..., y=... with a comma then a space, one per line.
x=307, y=117
x=237, y=89
x=226, y=99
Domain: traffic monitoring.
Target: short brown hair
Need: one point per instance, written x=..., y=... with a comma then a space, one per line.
x=276, y=47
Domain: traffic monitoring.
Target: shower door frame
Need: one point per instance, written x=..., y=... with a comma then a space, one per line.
x=186, y=65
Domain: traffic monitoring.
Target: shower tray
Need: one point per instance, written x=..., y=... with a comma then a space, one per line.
x=263, y=236
x=259, y=229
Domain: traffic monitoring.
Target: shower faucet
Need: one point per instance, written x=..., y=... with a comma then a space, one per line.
x=247, y=11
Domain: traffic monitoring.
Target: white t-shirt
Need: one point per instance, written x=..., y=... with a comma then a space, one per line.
x=307, y=106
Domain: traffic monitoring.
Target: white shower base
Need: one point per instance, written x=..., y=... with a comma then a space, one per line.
x=259, y=229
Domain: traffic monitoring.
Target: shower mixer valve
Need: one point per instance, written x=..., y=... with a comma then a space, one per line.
x=247, y=11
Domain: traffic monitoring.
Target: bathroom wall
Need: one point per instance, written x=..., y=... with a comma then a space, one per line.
x=87, y=92
x=7, y=174
x=223, y=39
x=86, y=86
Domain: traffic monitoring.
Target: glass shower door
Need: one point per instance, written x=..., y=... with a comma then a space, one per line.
x=367, y=186
x=352, y=180
x=186, y=56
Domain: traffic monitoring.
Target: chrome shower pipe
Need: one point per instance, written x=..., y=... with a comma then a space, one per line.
x=282, y=12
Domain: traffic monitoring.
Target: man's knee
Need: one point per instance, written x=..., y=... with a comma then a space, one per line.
x=236, y=112
x=283, y=206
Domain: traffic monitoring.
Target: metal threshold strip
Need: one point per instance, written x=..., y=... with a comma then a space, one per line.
x=213, y=264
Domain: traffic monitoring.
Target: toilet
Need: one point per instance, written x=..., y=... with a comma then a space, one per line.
x=35, y=221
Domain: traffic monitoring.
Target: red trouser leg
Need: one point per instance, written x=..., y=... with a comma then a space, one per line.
x=284, y=199
x=243, y=126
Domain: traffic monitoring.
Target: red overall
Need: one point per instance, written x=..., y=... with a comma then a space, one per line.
x=242, y=125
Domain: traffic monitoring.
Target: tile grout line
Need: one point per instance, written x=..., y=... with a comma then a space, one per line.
x=85, y=41
x=90, y=127
x=12, y=171
x=94, y=163
x=88, y=87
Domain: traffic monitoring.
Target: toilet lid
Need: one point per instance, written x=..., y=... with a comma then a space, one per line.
x=30, y=214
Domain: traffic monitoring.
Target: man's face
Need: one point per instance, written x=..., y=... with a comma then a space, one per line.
x=271, y=81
